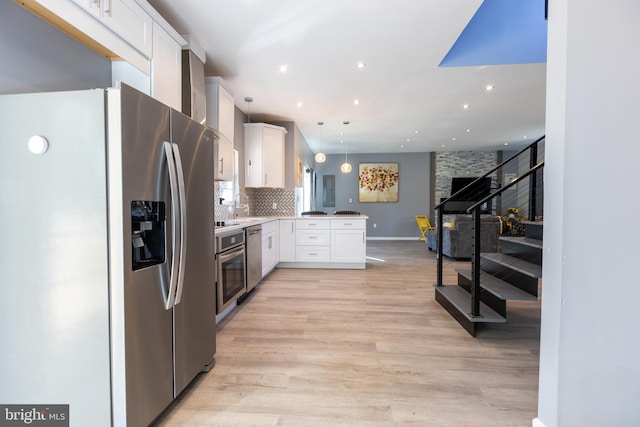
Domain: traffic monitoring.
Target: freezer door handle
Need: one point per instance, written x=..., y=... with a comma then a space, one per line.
x=183, y=221
x=175, y=238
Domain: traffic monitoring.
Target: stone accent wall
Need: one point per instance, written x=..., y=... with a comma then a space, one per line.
x=461, y=164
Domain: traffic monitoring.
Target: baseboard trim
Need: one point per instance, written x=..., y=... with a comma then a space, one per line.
x=537, y=423
x=393, y=238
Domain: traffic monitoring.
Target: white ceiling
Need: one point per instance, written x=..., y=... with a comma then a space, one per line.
x=401, y=90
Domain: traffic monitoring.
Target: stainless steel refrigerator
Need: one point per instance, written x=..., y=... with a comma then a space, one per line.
x=107, y=253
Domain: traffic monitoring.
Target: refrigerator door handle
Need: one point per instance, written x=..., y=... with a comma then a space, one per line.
x=173, y=184
x=183, y=221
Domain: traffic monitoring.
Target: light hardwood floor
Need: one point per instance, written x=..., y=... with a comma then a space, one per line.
x=364, y=348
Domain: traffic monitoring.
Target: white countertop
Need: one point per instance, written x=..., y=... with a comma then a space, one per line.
x=243, y=222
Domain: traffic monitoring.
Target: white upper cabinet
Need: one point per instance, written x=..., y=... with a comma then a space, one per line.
x=220, y=107
x=94, y=7
x=130, y=22
x=166, y=69
x=221, y=116
x=116, y=29
x=124, y=17
x=264, y=155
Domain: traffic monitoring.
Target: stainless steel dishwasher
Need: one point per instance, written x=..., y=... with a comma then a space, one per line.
x=254, y=256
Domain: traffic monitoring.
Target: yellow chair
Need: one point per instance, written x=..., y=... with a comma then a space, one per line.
x=424, y=225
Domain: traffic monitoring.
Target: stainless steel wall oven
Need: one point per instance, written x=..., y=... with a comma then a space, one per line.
x=230, y=269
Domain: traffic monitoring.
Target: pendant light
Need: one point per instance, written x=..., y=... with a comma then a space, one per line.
x=346, y=166
x=248, y=100
x=320, y=157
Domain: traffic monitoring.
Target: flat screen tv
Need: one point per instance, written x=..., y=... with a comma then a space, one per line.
x=476, y=192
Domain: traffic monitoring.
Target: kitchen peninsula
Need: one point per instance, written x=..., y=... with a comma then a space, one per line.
x=327, y=241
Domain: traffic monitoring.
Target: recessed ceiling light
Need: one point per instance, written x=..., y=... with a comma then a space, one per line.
x=299, y=104
x=416, y=131
x=468, y=130
x=525, y=137
x=442, y=145
x=453, y=139
x=465, y=106
x=489, y=88
x=402, y=146
x=506, y=143
x=284, y=68
x=408, y=140
x=360, y=65
x=356, y=102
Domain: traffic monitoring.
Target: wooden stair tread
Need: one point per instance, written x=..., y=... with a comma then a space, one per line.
x=498, y=287
x=525, y=267
x=525, y=241
x=461, y=300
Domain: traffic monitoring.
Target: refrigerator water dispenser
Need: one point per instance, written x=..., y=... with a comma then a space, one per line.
x=147, y=233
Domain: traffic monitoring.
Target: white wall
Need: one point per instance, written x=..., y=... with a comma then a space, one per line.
x=589, y=370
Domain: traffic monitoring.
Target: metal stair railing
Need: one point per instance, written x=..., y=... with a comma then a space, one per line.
x=475, y=212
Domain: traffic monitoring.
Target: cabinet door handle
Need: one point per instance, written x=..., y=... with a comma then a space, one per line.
x=109, y=11
x=265, y=179
x=222, y=165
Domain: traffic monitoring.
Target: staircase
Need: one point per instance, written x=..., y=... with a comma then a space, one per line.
x=512, y=274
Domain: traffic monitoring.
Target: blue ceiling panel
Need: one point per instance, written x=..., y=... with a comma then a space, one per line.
x=502, y=32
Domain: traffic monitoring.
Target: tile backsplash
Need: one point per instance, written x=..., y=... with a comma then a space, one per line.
x=274, y=201
x=260, y=201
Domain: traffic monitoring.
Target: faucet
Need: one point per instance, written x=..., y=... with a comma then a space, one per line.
x=236, y=203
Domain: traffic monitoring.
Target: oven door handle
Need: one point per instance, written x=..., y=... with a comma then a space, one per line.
x=232, y=253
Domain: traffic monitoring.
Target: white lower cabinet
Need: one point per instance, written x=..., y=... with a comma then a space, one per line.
x=323, y=243
x=287, y=241
x=270, y=248
x=313, y=253
x=348, y=240
x=313, y=239
x=348, y=246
